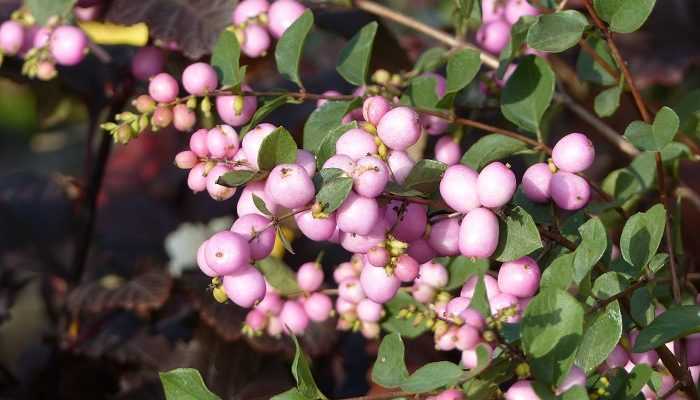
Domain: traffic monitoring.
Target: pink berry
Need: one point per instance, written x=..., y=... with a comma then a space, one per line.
x=256, y=41
x=369, y=311
x=406, y=268
x=245, y=287
x=341, y=162
x=400, y=165
x=222, y=143
x=344, y=271
x=256, y=320
x=617, y=358
x=318, y=307
x=458, y=188
x=245, y=202
x=162, y=117
x=440, y=83
x=216, y=191
x=247, y=9
x=11, y=37
x=310, y=276
x=370, y=176
x=290, y=186
x=41, y=37
x=227, y=252
x=183, y=118
x=316, y=229
x=186, y=159
x=423, y=293
x=377, y=285
x=163, y=88
x=505, y=300
x=199, y=79
x=573, y=153
x=293, y=317
x=496, y=184
x=321, y=102
x=307, y=161
x=456, y=306
x=517, y=8
x=467, y=337
x=147, y=62
x=370, y=330
x=421, y=251
x=68, y=45
x=444, y=237
x=378, y=256
x=469, y=357
x=450, y=394
x=434, y=274
x=198, y=143
x=693, y=350
x=253, y=140
x=357, y=243
x=434, y=125
x=478, y=233
x=536, y=182
x=490, y=283
x=282, y=14
x=374, y=108
x=357, y=214
x=350, y=290
x=197, y=179
x=356, y=143
x=202, y=262
x=575, y=377
x=227, y=111
x=271, y=304
x=448, y=340
x=274, y=327
x=255, y=225
x=648, y=357
x=447, y=150
x=569, y=191
x=520, y=277
x=344, y=307
x=399, y=128
x=493, y=36
x=409, y=221
x=521, y=390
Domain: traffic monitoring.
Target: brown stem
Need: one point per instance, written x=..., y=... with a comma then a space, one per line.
x=598, y=59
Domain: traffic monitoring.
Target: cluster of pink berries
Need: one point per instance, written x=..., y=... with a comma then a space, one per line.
x=573, y=154
x=255, y=20
x=498, y=17
x=43, y=47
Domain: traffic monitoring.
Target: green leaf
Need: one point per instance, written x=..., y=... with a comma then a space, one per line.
x=624, y=16
x=551, y=331
x=302, y=374
x=491, y=148
x=665, y=126
x=323, y=120
x=483, y=359
x=277, y=148
x=236, y=178
x=225, y=59
x=327, y=148
x=43, y=10
x=589, y=70
x=480, y=300
x=432, y=376
x=461, y=268
x=518, y=235
x=559, y=273
x=334, y=192
x=430, y=60
x=528, y=93
x=607, y=101
x=688, y=109
x=637, y=378
x=260, y=205
x=355, y=56
x=603, y=332
x=642, y=307
x=389, y=369
x=264, y=110
x=283, y=239
x=518, y=34
x=279, y=276
x=462, y=67
x=594, y=242
x=404, y=327
x=185, y=384
x=291, y=394
x=675, y=323
x=577, y=392
x=290, y=46
x=480, y=389
x=642, y=235
x=421, y=92
x=609, y=284
x=557, y=32
x=425, y=176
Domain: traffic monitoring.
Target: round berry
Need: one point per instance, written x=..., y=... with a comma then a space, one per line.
x=41, y=37
x=517, y=8
x=11, y=37
x=569, y=191
x=68, y=45
x=343, y=271
x=350, y=290
x=650, y=357
x=421, y=251
x=293, y=317
x=162, y=117
x=197, y=179
x=290, y=186
x=246, y=205
x=447, y=341
x=473, y=318
x=370, y=176
x=226, y=252
x=253, y=140
x=256, y=320
x=374, y=108
x=227, y=109
x=496, y=185
x=147, y=62
x=469, y=357
x=245, y=287
x=447, y=150
x=409, y=220
x=256, y=226
x=202, y=261
x=377, y=285
x=198, y=143
x=310, y=276
x=575, y=377
x=183, y=118
x=520, y=277
x=521, y=390
x=341, y=162
x=306, y=160
x=490, y=283
x=467, y=337
x=216, y=191
x=369, y=311
x=573, y=153
x=478, y=233
x=458, y=187
x=282, y=14
x=536, y=182
x=444, y=237
x=256, y=41
x=400, y=164
x=434, y=274
x=378, y=256
x=433, y=124
x=406, y=268
x=357, y=243
x=450, y=394
x=186, y=159
x=423, y=293
x=271, y=304
x=199, y=79
x=316, y=229
x=222, y=141
x=618, y=358
x=399, y=128
x=247, y=9
x=493, y=36
x=163, y=88
x=318, y=307
x=356, y=143
x=357, y=214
